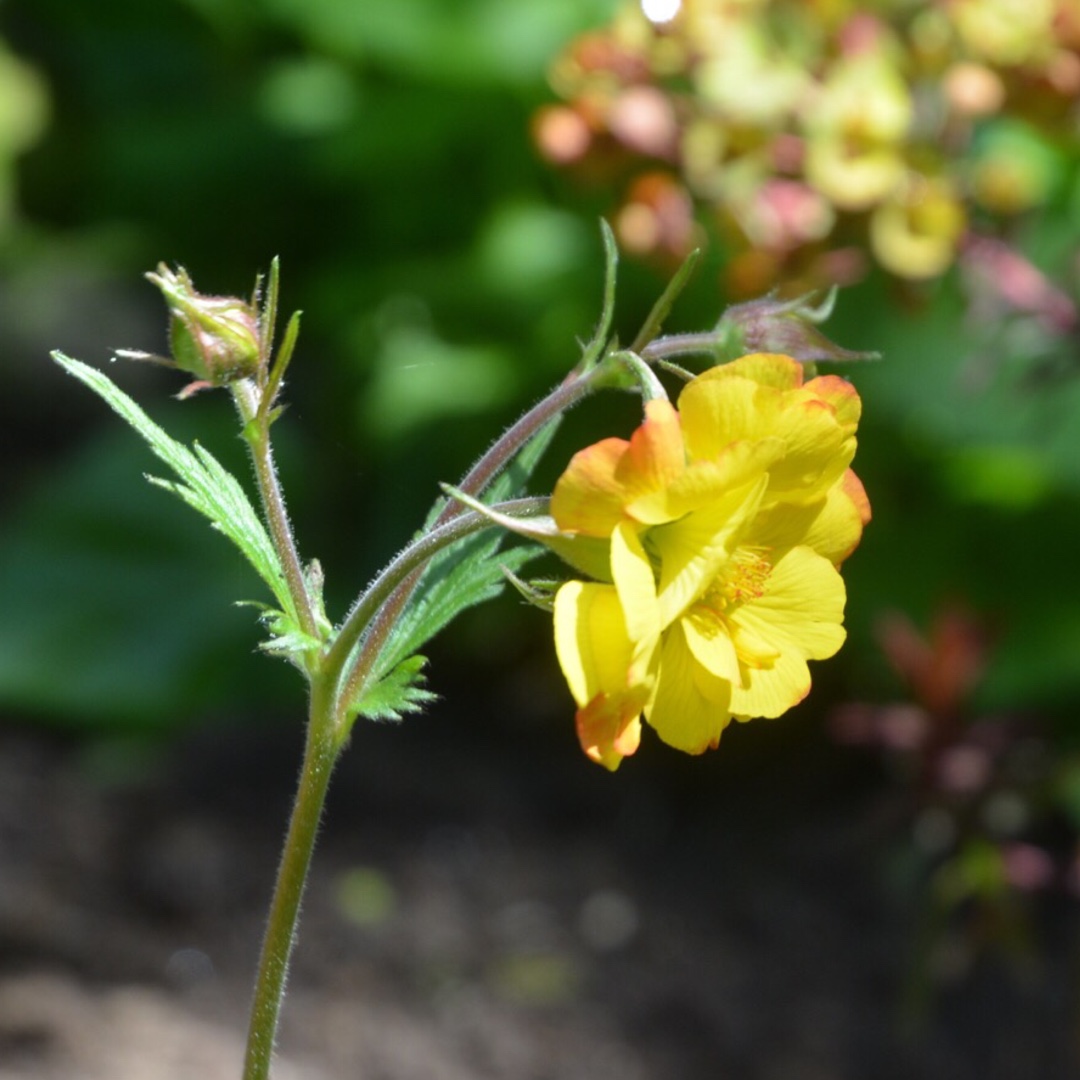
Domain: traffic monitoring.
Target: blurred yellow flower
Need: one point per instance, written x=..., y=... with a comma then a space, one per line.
x=727, y=521
x=917, y=233
x=856, y=128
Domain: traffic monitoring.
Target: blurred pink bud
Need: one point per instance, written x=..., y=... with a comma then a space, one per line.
x=1027, y=867
x=1003, y=277
x=643, y=118
x=964, y=769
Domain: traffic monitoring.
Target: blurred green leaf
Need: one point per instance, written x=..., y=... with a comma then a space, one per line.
x=471, y=41
x=419, y=379
x=118, y=603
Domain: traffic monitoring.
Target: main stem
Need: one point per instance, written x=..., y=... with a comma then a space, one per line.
x=320, y=753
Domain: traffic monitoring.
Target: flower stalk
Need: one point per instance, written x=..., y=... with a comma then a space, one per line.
x=255, y=422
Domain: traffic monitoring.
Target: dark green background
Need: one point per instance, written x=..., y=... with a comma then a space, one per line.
x=446, y=274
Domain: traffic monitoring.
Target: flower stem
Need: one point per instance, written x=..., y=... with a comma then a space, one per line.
x=257, y=435
x=320, y=753
x=569, y=392
x=709, y=343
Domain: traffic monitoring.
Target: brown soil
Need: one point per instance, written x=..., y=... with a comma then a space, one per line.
x=486, y=905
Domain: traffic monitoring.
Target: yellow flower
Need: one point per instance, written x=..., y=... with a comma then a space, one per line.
x=726, y=521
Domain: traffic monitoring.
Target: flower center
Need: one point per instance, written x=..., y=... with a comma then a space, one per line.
x=743, y=579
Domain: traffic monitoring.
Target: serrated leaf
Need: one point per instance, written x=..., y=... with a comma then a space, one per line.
x=462, y=577
x=204, y=483
x=396, y=694
x=467, y=573
x=287, y=639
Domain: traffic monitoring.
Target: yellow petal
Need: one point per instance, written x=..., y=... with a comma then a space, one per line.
x=819, y=448
x=689, y=705
x=816, y=423
x=615, y=477
x=692, y=549
x=767, y=369
x=595, y=654
x=831, y=526
x=654, y=460
x=770, y=692
x=801, y=609
x=756, y=652
x=591, y=642
x=709, y=640
x=704, y=482
x=841, y=395
x=609, y=729
x=719, y=410
x=836, y=531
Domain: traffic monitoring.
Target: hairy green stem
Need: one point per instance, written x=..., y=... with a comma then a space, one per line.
x=569, y=392
x=324, y=743
x=343, y=669
x=257, y=435
x=662, y=348
x=320, y=754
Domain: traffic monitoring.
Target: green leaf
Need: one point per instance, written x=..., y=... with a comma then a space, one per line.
x=287, y=639
x=204, y=483
x=594, y=351
x=469, y=572
x=662, y=308
x=462, y=577
x=396, y=694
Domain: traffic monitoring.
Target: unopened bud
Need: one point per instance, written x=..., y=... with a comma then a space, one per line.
x=215, y=338
x=771, y=325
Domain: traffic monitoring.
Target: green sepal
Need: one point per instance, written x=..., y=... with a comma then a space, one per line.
x=662, y=308
x=539, y=593
x=599, y=345
x=587, y=554
x=287, y=640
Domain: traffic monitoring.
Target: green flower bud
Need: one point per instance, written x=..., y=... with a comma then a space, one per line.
x=771, y=325
x=215, y=338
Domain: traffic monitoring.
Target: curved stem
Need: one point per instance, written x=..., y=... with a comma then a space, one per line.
x=321, y=750
x=568, y=393
x=320, y=753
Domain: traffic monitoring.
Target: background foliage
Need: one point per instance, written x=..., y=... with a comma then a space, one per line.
x=387, y=151
x=383, y=150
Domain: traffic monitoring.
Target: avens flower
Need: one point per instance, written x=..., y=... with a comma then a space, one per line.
x=726, y=521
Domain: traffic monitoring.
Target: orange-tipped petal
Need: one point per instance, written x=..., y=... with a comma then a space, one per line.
x=609, y=729
x=589, y=497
